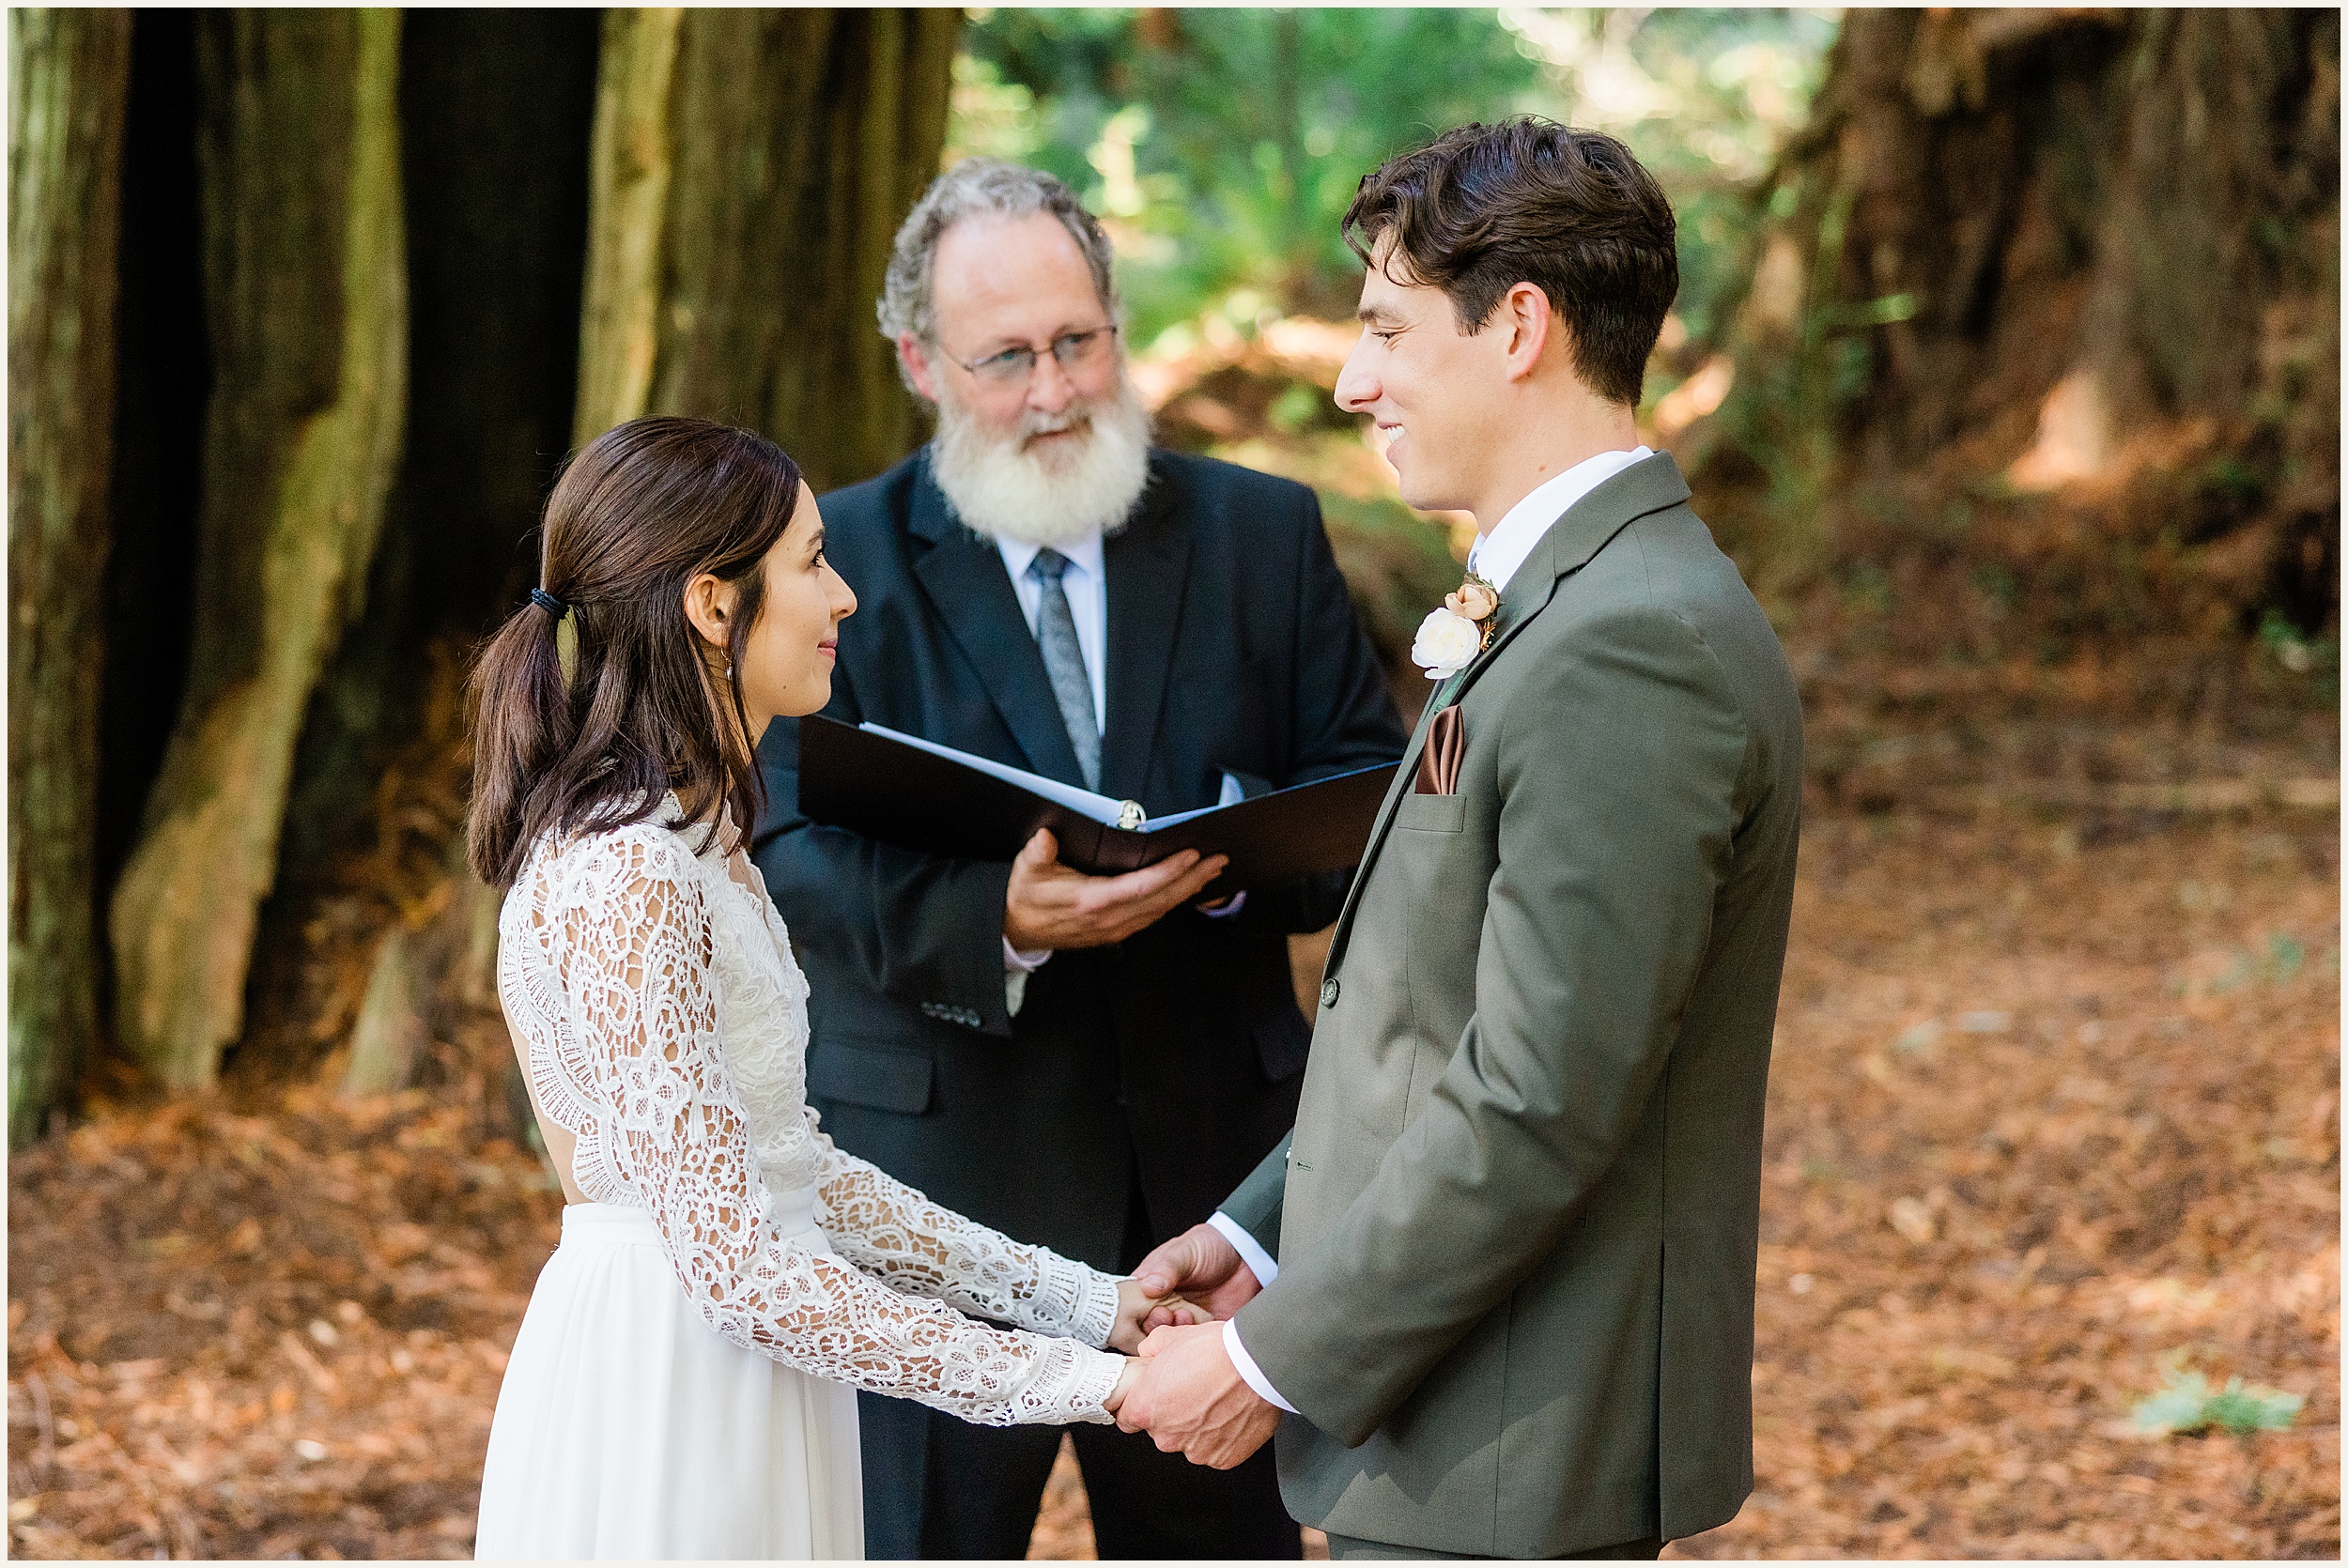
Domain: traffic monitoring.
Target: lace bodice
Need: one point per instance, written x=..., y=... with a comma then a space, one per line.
x=664, y=1023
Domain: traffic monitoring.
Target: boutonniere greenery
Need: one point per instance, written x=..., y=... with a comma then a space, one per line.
x=1451, y=638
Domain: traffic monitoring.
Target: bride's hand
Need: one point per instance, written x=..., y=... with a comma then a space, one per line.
x=1135, y=1304
x=1126, y=1381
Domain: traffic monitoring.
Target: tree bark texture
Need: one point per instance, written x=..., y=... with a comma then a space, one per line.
x=307, y=310
x=750, y=168
x=69, y=78
x=2085, y=257
x=497, y=110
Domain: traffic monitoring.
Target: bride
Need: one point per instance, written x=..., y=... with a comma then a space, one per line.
x=682, y=1385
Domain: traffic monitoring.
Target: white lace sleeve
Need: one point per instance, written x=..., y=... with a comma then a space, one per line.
x=637, y=943
x=893, y=1232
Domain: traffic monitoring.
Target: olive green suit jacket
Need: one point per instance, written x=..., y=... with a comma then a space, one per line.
x=1516, y=1220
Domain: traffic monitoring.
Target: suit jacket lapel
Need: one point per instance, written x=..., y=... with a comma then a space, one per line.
x=1147, y=566
x=1405, y=779
x=963, y=573
x=1584, y=529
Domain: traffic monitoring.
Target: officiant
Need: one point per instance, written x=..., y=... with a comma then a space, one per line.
x=1088, y=1061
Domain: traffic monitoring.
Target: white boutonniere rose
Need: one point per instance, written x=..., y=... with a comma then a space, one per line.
x=1447, y=641
x=1451, y=638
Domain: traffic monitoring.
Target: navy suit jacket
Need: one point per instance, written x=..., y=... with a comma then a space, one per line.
x=1178, y=1052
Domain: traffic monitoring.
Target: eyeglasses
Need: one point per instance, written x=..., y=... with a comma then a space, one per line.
x=1012, y=367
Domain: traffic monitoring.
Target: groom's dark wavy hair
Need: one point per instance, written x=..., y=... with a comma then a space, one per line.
x=1485, y=207
x=639, y=512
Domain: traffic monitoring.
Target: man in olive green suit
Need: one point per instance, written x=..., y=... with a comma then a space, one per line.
x=1515, y=1223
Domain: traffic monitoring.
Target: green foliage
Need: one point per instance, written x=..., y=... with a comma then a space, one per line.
x=1222, y=146
x=2296, y=652
x=2187, y=1404
x=1705, y=96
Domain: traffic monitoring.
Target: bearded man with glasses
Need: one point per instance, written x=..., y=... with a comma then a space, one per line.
x=1086, y=1062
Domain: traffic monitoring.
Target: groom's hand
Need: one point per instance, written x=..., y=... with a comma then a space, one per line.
x=1050, y=906
x=1201, y=1265
x=1192, y=1400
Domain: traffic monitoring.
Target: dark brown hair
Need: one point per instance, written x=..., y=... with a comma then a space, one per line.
x=641, y=512
x=1485, y=207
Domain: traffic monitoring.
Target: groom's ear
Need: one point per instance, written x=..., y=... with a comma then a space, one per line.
x=1528, y=327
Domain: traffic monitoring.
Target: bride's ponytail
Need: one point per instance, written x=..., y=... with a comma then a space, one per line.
x=526, y=726
x=597, y=698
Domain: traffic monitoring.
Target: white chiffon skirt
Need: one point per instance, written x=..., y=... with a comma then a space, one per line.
x=628, y=1427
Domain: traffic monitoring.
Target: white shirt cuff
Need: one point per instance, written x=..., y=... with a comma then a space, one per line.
x=1017, y=963
x=1248, y=1369
x=1251, y=1251
x=1017, y=966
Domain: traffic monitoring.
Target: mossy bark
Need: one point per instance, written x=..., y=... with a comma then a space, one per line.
x=750, y=169
x=68, y=74
x=305, y=289
x=2055, y=264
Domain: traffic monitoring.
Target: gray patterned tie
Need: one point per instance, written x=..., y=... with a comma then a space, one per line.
x=1064, y=661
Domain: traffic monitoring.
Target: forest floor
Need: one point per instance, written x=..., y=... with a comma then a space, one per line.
x=2053, y=1112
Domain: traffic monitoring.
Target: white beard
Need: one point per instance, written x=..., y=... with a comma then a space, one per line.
x=1000, y=486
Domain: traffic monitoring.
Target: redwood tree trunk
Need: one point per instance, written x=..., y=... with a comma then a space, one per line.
x=307, y=306
x=750, y=169
x=2056, y=291
x=498, y=107
x=68, y=75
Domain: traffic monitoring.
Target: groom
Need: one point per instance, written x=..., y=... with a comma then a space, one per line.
x=1515, y=1224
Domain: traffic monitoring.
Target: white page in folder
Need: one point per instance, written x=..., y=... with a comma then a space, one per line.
x=1084, y=801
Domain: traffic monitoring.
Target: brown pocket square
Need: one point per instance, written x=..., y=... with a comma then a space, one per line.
x=1439, y=764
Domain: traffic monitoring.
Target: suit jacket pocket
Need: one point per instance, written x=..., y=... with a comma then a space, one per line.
x=1431, y=813
x=882, y=1077
x=1439, y=759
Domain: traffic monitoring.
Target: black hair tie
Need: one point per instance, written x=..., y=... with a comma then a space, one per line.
x=548, y=603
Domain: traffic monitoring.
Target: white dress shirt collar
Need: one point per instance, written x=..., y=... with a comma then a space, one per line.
x=1084, y=553
x=1496, y=556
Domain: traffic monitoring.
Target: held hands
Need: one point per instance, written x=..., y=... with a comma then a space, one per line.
x=1126, y=1381
x=1050, y=906
x=1182, y=1388
x=1191, y=1400
x=1202, y=1267
x=1137, y=1306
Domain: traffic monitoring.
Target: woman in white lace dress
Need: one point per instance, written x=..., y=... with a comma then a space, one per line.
x=684, y=1382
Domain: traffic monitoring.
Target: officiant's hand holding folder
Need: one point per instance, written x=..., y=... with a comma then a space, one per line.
x=932, y=798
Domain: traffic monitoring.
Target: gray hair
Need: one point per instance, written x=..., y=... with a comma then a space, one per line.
x=972, y=187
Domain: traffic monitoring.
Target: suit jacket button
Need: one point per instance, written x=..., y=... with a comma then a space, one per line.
x=1329, y=992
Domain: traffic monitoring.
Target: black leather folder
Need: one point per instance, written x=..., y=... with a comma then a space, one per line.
x=909, y=796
